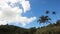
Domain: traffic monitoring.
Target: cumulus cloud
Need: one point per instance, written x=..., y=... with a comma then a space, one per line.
x=11, y=13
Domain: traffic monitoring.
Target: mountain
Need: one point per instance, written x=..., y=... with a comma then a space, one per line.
x=50, y=29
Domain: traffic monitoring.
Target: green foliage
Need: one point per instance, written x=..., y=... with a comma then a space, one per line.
x=44, y=19
x=47, y=12
x=50, y=29
x=10, y=29
x=54, y=12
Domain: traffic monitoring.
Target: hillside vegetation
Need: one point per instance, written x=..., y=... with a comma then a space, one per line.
x=50, y=29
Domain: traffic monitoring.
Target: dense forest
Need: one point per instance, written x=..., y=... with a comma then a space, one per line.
x=49, y=29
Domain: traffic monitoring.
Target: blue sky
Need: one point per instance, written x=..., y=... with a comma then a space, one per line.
x=25, y=13
x=38, y=7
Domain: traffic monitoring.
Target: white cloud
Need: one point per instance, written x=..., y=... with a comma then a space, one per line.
x=26, y=5
x=10, y=14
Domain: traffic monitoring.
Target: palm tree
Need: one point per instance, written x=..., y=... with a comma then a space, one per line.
x=47, y=12
x=44, y=19
x=54, y=13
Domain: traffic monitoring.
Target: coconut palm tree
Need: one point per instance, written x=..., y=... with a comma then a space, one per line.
x=44, y=19
x=47, y=12
x=54, y=13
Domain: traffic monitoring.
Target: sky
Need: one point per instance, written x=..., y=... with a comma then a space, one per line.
x=25, y=13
